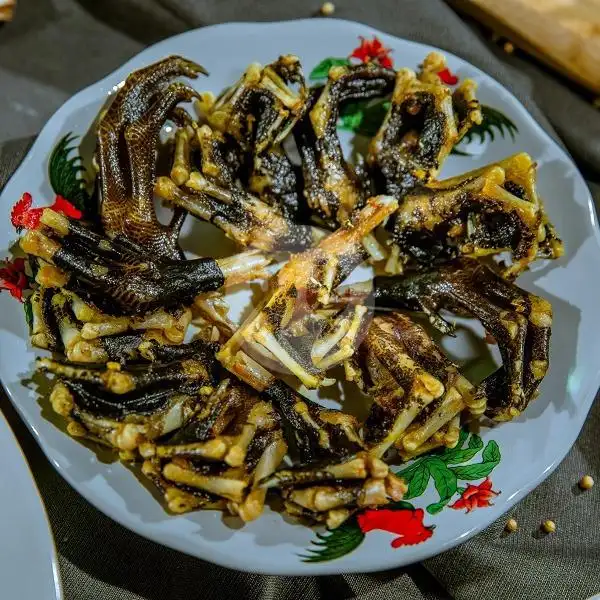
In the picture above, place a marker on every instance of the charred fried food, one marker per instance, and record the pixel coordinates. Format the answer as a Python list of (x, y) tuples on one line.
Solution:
[(519, 321), (268, 89), (242, 216), (211, 421), (63, 323), (245, 129), (213, 194), (484, 212), (334, 475), (122, 278), (331, 186), (128, 138), (288, 325), (126, 407), (221, 453), (424, 122), (416, 389)]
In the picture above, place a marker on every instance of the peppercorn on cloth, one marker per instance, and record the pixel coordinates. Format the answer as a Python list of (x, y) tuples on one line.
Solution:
[(52, 49)]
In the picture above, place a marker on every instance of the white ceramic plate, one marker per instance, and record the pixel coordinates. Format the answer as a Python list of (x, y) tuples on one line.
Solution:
[(520, 454), (28, 565)]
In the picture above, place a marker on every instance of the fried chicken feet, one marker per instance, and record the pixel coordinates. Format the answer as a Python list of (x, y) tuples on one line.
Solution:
[(128, 138), (292, 325), (519, 321), (120, 277)]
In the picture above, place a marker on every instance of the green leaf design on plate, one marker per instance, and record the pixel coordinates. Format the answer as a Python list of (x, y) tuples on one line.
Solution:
[(322, 69), (493, 121), (351, 117), (364, 117), (28, 313), (491, 457), (64, 173), (443, 477), (492, 452), (436, 507), (335, 543), (457, 455), (473, 472), (407, 473), (400, 505), (417, 481), (445, 483)]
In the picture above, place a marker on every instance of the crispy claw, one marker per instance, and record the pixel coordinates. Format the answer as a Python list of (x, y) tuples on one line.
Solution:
[(125, 408), (122, 278), (128, 137), (224, 450), (243, 217), (424, 122), (332, 188), (289, 326), (416, 389), (318, 433), (518, 320), (334, 475), (484, 212), (64, 323), (268, 88)]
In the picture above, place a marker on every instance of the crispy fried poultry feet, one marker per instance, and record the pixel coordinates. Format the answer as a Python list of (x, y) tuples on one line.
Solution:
[(62, 323), (246, 125), (416, 389), (484, 212), (125, 407), (293, 327), (518, 320), (259, 112), (267, 91), (424, 122), (128, 139), (242, 216), (218, 458), (332, 475), (122, 278), (332, 188), (116, 300)]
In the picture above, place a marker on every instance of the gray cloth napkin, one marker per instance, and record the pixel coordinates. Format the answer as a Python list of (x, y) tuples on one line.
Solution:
[(56, 47)]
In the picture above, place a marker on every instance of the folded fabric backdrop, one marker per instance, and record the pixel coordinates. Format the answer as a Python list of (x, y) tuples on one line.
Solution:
[(55, 48)]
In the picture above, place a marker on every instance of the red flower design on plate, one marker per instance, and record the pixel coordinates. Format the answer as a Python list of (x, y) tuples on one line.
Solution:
[(373, 51), (448, 77), (13, 278), (406, 523), (476, 496), (23, 216)]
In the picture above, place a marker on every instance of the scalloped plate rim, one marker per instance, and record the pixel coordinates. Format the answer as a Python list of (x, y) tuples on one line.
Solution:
[(418, 553)]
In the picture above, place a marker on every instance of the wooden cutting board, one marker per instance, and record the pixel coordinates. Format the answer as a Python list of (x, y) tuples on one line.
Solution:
[(563, 33), (7, 8)]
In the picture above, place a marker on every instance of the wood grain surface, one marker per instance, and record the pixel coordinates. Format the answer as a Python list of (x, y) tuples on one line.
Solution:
[(7, 8), (563, 33)]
